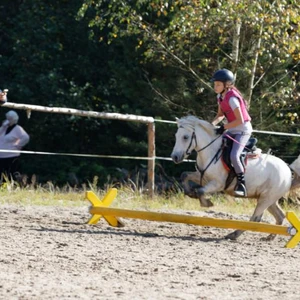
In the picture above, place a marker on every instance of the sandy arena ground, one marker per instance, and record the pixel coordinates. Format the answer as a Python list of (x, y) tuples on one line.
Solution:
[(51, 253)]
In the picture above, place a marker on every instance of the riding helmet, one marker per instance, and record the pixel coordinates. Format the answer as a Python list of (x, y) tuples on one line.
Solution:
[(223, 75)]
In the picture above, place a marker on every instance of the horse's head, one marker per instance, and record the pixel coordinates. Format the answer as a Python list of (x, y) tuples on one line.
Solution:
[(186, 139)]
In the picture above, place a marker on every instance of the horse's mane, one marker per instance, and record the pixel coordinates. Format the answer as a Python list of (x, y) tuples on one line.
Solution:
[(192, 122)]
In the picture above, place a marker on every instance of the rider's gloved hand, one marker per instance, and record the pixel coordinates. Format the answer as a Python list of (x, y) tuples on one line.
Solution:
[(220, 130)]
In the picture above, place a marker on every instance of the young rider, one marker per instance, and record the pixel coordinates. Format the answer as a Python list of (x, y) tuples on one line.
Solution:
[(232, 106)]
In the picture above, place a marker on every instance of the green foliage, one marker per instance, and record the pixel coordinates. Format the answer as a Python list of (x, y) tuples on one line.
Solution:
[(188, 41)]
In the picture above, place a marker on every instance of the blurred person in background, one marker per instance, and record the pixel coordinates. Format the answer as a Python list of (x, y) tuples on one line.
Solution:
[(12, 137)]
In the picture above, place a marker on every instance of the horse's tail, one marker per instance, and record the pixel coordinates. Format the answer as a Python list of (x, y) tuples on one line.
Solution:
[(295, 166)]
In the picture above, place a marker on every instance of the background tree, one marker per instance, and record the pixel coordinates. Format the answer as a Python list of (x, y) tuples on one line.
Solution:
[(192, 39)]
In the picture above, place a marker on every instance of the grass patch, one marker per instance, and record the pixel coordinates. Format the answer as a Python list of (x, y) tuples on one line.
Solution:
[(127, 198)]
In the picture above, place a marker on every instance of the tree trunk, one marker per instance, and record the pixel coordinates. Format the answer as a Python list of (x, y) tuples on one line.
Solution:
[(235, 46), (255, 60)]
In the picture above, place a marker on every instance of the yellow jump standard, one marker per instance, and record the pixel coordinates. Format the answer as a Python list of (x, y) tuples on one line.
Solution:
[(100, 209)]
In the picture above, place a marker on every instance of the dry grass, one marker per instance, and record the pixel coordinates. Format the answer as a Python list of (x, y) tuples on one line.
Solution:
[(50, 195)]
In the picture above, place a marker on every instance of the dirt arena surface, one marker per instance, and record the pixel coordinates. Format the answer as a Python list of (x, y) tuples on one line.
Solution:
[(51, 253)]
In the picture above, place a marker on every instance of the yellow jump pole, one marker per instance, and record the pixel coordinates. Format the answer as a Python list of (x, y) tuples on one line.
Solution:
[(187, 219), (102, 210)]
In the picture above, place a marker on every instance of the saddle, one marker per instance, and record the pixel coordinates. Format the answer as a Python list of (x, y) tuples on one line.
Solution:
[(248, 151)]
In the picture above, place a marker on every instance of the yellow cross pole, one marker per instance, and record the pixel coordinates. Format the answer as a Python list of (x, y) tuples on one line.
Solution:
[(294, 230), (107, 200), (101, 209)]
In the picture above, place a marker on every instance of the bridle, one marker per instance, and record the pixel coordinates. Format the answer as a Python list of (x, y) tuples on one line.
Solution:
[(216, 156), (188, 152)]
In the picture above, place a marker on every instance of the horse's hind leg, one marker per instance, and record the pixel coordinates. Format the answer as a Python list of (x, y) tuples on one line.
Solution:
[(261, 206), (279, 216), (234, 235)]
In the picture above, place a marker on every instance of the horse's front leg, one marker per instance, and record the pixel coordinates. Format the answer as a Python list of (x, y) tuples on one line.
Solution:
[(210, 187), (192, 188)]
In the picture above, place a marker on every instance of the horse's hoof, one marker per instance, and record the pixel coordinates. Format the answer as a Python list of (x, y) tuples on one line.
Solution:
[(183, 176), (205, 202), (190, 194), (269, 238), (200, 192), (231, 236)]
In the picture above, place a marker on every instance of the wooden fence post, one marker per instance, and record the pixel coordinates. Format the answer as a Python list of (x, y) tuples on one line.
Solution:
[(151, 156)]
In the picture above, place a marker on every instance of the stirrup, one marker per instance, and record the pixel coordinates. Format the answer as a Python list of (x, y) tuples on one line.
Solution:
[(240, 190)]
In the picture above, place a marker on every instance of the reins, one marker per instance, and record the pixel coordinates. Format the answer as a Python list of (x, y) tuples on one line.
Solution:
[(230, 137), (194, 138), (207, 144)]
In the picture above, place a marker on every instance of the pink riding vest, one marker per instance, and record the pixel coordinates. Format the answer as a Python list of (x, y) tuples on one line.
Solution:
[(226, 109)]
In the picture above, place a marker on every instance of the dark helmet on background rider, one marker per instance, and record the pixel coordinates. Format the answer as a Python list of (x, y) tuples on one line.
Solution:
[(223, 75)]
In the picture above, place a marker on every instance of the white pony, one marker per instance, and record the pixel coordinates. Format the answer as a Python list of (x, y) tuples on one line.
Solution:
[(268, 178)]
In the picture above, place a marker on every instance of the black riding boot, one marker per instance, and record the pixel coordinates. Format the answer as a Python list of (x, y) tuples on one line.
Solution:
[(240, 188)]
